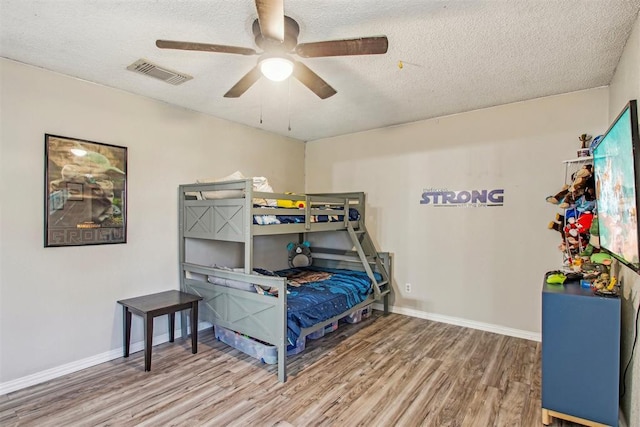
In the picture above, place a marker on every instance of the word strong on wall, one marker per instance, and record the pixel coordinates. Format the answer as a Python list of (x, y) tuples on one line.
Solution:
[(462, 198)]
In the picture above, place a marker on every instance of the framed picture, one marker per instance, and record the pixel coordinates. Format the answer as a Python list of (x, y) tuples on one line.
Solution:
[(85, 192)]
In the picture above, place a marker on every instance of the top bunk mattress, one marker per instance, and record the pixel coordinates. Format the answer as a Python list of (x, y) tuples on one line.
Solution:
[(298, 216)]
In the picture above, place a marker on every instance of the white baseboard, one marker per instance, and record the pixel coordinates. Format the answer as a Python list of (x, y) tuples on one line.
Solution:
[(69, 368), (502, 330)]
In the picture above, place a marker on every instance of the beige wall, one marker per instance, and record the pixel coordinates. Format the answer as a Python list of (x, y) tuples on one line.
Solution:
[(475, 266), (58, 305), (625, 85)]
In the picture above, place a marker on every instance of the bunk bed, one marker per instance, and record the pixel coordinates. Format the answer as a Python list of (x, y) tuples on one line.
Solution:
[(231, 211)]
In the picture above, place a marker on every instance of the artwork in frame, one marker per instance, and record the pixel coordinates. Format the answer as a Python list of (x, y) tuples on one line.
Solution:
[(85, 192)]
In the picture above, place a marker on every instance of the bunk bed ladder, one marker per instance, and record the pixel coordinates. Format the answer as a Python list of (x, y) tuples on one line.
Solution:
[(368, 254)]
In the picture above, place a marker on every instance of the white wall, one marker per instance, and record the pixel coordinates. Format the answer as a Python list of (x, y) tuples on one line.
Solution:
[(478, 265), (625, 85), (58, 305)]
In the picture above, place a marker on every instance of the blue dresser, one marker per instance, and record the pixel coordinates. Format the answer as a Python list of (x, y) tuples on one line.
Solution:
[(580, 355)]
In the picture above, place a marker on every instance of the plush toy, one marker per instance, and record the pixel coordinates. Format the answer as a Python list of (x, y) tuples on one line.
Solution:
[(560, 221), (586, 203), (299, 254), (583, 179), (594, 239), (570, 229), (601, 258), (557, 224), (575, 243), (579, 183), (286, 203), (558, 198), (583, 224), (575, 233)]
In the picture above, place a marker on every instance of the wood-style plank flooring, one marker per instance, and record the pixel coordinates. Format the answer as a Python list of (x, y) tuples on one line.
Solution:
[(384, 371)]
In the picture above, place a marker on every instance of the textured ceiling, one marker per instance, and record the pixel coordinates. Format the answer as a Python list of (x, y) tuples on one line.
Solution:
[(458, 55)]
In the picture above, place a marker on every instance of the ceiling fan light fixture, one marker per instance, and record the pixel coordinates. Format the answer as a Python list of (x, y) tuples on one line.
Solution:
[(276, 68)]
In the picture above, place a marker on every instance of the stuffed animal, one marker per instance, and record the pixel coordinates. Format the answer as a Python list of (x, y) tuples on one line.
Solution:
[(583, 179), (583, 224), (586, 203), (575, 234), (594, 239), (569, 193), (560, 221), (286, 203), (558, 198), (557, 224), (299, 254)]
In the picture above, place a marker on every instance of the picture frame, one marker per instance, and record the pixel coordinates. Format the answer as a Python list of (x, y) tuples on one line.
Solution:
[(85, 192)]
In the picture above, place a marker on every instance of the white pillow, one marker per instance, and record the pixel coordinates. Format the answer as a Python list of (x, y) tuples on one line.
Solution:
[(223, 194), (229, 283), (260, 183)]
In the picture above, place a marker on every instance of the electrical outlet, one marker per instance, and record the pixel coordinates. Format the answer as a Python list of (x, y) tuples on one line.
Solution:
[(407, 287)]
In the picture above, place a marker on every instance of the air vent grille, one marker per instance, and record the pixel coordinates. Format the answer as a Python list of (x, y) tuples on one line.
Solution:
[(145, 67)]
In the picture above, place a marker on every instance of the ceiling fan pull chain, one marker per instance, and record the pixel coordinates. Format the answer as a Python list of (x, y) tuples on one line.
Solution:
[(261, 90), (289, 103)]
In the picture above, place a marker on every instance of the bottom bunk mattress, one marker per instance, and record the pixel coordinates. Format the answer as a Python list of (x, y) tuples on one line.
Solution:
[(318, 294)]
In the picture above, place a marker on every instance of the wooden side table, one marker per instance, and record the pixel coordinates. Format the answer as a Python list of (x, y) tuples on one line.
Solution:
[(153, 305)]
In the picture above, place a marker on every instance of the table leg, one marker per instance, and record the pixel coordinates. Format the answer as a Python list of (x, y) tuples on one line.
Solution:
[(194, 327), (126, 324), (172, 326), (183, 324), (148, 341)]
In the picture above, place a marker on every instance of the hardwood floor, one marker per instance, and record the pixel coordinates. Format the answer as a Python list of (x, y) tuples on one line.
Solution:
[(384, 371)]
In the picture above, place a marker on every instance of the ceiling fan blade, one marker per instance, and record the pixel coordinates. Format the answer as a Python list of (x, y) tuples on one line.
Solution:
[(360, 46), (313, 81), (271, 18), (204, 47), (244, 83)]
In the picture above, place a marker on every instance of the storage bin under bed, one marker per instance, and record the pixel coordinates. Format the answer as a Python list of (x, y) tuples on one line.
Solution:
[(322, 332), (264, 352), (358, 315)]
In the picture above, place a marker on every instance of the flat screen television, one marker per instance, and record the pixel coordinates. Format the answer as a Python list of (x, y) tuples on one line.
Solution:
[(616, 165)]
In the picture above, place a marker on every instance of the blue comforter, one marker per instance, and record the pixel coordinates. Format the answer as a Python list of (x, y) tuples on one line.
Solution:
[(321, 294)]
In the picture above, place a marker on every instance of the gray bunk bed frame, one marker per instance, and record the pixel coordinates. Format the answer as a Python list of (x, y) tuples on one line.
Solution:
[(230, 218)]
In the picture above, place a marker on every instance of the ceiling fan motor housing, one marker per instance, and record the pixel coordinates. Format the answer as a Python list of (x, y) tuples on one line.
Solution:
[(291, 32)]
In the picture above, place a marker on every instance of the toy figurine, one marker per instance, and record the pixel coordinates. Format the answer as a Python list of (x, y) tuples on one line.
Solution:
[(584, 146)]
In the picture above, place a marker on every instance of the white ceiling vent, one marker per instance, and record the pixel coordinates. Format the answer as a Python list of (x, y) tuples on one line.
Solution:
[(143, 66)]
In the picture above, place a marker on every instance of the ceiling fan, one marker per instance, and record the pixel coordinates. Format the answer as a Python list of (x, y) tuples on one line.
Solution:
[(277, 36)]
